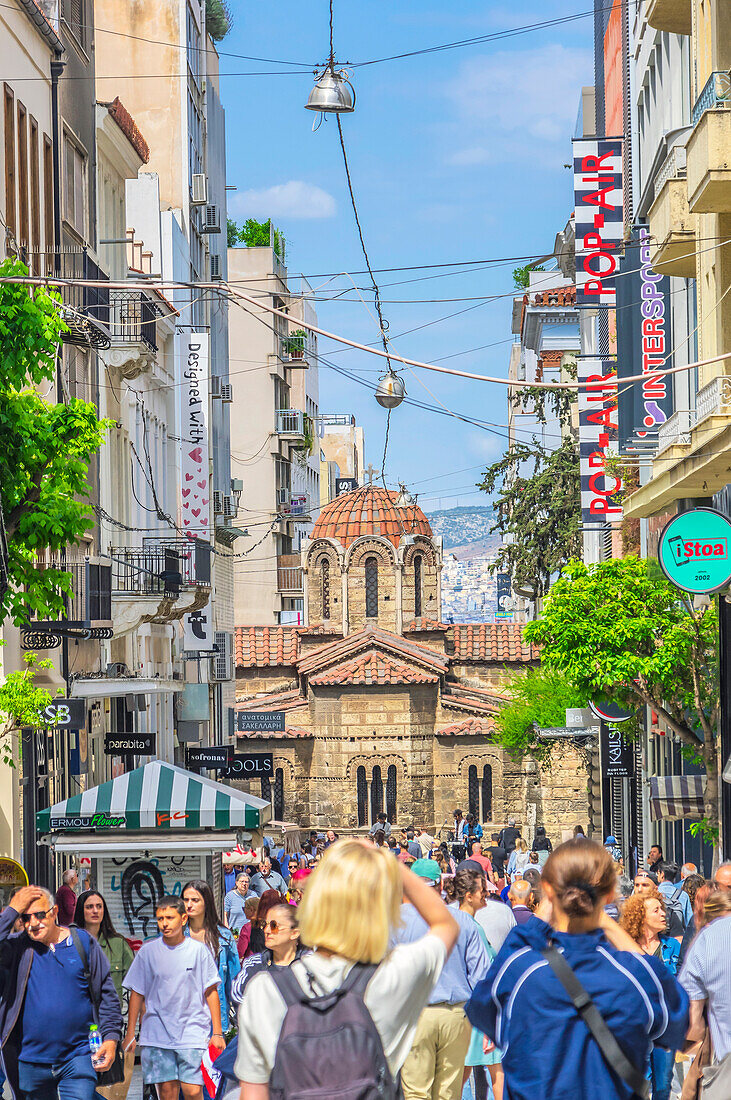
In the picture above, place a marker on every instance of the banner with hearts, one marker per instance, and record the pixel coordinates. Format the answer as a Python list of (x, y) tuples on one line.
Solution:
[(194, 367)]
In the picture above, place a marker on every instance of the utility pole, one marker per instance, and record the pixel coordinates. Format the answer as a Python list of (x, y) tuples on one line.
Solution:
[(724, 622)]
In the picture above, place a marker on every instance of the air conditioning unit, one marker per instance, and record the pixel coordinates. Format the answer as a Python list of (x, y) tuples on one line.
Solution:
[(215, 266), (198, 189), (217, 502), (222, 663), (215, 382), (227, 393), (212, 221), (282, 497), (229, 508)]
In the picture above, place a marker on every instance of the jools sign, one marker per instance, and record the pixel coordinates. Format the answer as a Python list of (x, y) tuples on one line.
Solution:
[(250, 765), (693, 550)]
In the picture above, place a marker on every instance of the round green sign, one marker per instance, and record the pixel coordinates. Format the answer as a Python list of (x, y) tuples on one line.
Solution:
[(694, 550)]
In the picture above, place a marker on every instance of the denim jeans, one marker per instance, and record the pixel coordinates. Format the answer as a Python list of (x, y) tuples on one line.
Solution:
[(71, 1079), (660, 1074)]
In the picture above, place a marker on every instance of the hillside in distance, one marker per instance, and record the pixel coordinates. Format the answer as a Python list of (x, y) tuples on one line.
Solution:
[(466, 531)]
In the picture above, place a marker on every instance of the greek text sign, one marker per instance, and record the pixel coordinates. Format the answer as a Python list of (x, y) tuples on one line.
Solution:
[(599, 207), (260, 721), (693, 550)]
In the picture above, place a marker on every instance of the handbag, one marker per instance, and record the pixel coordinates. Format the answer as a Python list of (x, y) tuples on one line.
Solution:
[(693, 1080), (115, 1074), (716, 1080), (611, 1051)]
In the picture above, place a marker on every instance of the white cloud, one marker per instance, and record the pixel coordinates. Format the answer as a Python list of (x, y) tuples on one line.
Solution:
[(294, 199), (518, 105)]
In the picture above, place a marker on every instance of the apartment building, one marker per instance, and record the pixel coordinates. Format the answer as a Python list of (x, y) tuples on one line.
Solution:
[(274, 441), (342, 443)]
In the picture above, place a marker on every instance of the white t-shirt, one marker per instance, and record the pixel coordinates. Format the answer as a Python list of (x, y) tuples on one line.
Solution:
[(496, 920), (395, 997), (173, 981)]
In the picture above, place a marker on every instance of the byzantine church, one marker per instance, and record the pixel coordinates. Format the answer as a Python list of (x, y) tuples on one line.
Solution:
[(387, 708)]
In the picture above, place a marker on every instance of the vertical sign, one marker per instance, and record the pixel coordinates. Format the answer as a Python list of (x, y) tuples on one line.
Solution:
[(599, 219), (616, 753), (195, 490), (504, 596), (597, 439)]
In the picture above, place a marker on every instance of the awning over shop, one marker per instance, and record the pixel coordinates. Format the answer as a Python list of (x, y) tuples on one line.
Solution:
[(157, 796), (674, 797)]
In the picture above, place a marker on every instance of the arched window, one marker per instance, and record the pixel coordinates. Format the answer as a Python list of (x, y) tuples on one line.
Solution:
[(487, 793), (279, 794), (371, 587), (391, 793), (417, 586), (325, 580), (266, 788), (376, 794), (473, 792), (361, 786)]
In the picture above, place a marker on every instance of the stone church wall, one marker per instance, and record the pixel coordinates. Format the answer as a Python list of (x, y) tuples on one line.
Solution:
[(386, 619)]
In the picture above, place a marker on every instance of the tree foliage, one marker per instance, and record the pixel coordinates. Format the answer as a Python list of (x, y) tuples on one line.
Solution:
[(21, 702), (620, 629), (256, 234), (538, 511), (541, 696), (521, 275), (218, 19), (45, 450)]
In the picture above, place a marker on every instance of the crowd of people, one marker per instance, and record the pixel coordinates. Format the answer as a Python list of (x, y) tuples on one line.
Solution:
[(357, 967)]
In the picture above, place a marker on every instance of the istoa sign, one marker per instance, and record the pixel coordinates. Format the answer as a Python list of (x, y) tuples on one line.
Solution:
[(693, 550)]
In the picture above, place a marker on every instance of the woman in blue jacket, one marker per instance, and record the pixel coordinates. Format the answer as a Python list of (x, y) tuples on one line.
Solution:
[(548, 1051)]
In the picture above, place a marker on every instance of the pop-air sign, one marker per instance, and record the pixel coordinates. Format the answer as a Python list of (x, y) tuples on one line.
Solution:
[(694, 550)]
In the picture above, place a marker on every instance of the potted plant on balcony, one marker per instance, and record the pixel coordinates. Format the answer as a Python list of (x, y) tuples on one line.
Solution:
[(294, 344)]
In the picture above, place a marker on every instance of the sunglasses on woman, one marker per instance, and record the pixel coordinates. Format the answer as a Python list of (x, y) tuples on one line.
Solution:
[(275, 926)]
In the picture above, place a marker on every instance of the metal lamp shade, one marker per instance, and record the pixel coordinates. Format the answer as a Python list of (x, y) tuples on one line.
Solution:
[(333, 93), (390, 391)]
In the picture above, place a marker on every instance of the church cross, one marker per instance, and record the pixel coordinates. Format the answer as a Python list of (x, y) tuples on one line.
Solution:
[(371, 472)]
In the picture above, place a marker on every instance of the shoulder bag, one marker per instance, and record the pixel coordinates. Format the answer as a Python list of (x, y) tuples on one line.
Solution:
[(612, 1053), (115, 1074)]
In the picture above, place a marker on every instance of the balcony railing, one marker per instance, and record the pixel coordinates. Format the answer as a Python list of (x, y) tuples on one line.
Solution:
[(290, 422), (675, 432), (296, 505), (716, 93), (674, 167), (132, 318), (297, 347), (714, 399), (89, 603), (163, 568), (289, 573)]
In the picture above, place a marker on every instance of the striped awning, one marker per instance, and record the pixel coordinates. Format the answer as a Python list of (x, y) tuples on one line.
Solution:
[(674, 797), (156, 796)]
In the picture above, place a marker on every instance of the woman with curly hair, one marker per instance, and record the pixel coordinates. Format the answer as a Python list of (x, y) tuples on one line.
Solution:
[(645, 919)]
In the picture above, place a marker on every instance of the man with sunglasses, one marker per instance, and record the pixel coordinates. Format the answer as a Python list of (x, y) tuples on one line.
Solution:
[(47, 1003)]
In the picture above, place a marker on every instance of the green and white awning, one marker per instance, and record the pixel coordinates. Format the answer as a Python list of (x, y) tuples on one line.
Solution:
[(157, 796)]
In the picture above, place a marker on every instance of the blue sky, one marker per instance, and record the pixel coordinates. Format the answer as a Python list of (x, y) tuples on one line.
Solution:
[(456, 155)]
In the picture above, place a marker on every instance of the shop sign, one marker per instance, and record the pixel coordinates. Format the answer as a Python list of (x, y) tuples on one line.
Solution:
[(64, 714), (693, 550), (345, 485), (260, 721), (598, 432), (101, 820), (13, 876), (616, 753), (599, 219), (250, 765), (119, 744), (214, 756)]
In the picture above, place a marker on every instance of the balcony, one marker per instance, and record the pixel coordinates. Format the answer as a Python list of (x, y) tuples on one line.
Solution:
[(88, 606), (674, 16), (675, 432), (709, 148), (86, 307), (293, 506), (291, 425), (159, 581), (133, 330), (672, 226), (714, 399), (297, 349), (289, 574)]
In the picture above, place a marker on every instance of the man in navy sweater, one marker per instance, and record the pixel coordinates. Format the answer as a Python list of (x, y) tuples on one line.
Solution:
[(46, 1007)]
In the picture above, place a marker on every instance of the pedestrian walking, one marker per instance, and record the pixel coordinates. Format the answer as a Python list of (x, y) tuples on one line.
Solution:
[(266, 878), (243, 945), (533, 1003), (477, 855), (508, 835), (676, 899), (706, 978), (519, 858), (234, 916), (518, 898), (645, 920), (498, 857), (50, 1000), (435, 1065), (93, 916), (613, 848), (204, 927), (282, 947), (348, 914), (722, 877), (380, 825), (66, 897), (173, 985), (496, 920), (541, 842), (483, 1057), (654, 858)]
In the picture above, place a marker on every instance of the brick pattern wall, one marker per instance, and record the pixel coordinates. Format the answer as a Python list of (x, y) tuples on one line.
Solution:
[(316, 612), (387, 574)]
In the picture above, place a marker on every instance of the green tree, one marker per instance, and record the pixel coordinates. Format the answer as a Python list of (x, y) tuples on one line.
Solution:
[(218, 19), (620, 629), (538, 511), (539, 697), (521, 275), (256, 234), (21, 703), (45, 450)]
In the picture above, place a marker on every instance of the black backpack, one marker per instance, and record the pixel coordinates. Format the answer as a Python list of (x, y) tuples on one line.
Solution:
[(329, 1048)]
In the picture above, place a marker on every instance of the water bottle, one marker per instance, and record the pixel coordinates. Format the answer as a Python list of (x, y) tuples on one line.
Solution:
[(95, 1042)]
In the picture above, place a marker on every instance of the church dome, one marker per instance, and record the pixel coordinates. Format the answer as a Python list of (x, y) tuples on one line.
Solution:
[(369, 511)]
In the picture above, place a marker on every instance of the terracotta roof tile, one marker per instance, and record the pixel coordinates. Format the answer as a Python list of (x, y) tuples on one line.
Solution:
[(264, 646), (393, 645), (556, 296), (470, 727), (369, 511), (374, 668), (129, 128), (275, 700), (422, 624), (289, 732), (490, 642)]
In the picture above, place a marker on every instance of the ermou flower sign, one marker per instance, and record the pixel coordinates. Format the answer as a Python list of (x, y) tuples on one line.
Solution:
[(694, 550)]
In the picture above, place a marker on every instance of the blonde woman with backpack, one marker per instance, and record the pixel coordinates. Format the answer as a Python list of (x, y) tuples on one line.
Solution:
[(341, 1021)]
